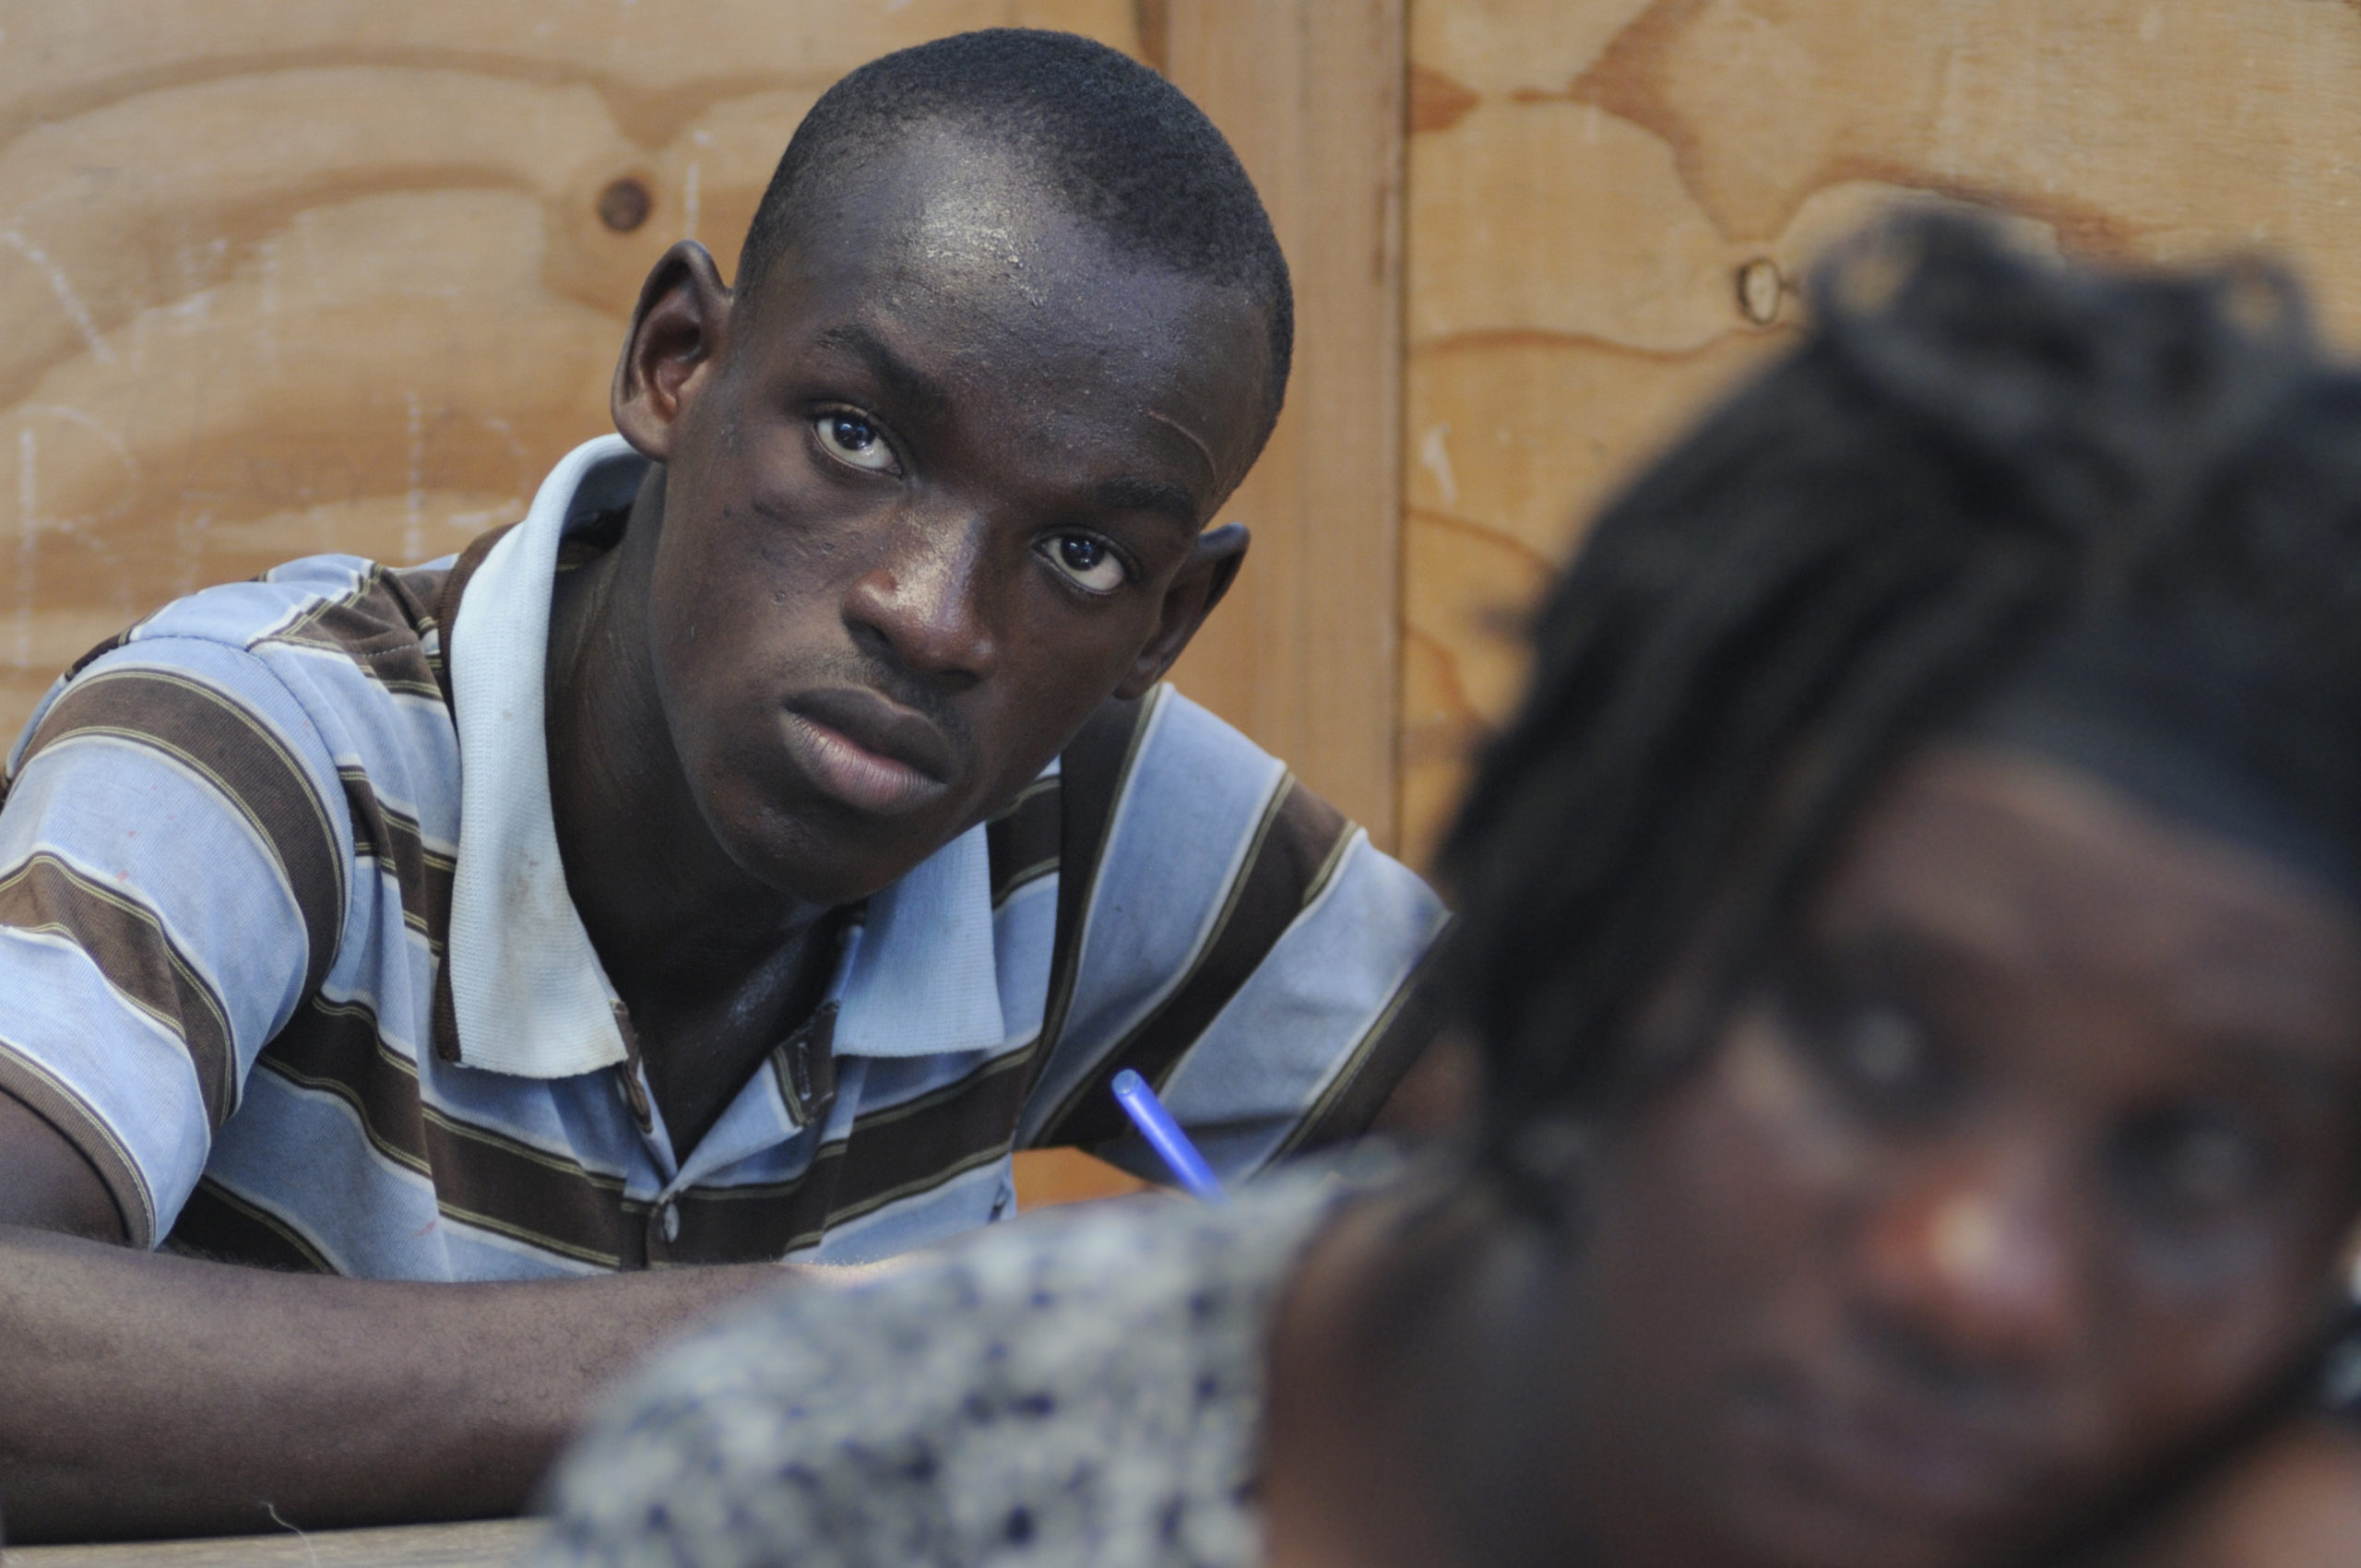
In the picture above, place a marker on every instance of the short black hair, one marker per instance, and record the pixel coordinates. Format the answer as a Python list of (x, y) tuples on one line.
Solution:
[(1972, 453), (1116, 144)]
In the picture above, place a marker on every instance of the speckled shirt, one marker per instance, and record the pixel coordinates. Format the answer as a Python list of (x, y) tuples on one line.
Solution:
[(1083, 1388)]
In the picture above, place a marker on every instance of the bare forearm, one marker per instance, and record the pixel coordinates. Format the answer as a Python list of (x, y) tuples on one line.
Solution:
[(143, 1394)]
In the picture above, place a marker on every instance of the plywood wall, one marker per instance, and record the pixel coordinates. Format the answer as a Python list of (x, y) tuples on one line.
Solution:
[(286, 276), (279, 276), (1305, 656), (1610, 201)]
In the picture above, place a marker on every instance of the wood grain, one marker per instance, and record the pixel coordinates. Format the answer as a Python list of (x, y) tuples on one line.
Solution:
[(1304, 656), (1047, 1177), (482, 1543), (1590, 181)]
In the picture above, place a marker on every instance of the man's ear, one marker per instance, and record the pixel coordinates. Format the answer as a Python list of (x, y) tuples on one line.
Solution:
[(1203, 579), (679, 332)]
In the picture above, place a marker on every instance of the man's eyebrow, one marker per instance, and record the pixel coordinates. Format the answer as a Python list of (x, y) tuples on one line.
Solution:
[(1172, 501), (909, 386)]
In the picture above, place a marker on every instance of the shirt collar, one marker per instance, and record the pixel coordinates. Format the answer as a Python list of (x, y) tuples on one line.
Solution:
[(918, 978), (527, 990)]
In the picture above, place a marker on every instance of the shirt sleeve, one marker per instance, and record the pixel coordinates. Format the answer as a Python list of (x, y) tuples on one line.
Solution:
[(171, 883), (1245, 948)]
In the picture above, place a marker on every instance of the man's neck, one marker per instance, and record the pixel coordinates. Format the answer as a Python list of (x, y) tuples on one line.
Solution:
[(699, 951)]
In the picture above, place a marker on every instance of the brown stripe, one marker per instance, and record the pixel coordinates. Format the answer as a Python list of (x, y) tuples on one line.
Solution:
[(204, 730), (484, 1179), (1023, 841), (425, 589), (480, 1177), (49, 1098), (127, 942), (444, 1022), (888, 1155), (336, 1047), (217, 1224), (421, 875), (906, 1148), (488, 1180), (1403, 1029), (1093, 770), (1295, 850), (374, 624)]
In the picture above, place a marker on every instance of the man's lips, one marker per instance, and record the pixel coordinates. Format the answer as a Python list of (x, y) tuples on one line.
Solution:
[(868, 751)]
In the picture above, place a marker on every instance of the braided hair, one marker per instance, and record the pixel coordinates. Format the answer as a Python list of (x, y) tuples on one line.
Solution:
[(1972, 451)]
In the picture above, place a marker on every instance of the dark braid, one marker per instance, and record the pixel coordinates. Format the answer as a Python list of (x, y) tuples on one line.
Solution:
[(1970, 450)]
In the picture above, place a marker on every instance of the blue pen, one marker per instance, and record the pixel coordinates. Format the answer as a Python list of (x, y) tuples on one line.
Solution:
[(1164, 1136)]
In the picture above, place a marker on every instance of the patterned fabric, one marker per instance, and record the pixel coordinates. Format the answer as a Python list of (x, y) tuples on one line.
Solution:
[(228, 857), (1082, 1389)]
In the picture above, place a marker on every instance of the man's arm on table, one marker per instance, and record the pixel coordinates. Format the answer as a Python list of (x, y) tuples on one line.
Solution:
[(145, 1394)]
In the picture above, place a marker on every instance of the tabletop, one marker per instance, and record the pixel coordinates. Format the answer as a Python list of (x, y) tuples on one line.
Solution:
[(482, 1543)]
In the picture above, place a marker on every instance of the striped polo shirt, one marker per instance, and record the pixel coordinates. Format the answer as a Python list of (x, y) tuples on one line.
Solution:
[(310, 993)]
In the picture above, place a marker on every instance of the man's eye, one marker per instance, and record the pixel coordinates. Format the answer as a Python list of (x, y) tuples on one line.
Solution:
[(1088, 561), (852, 439)]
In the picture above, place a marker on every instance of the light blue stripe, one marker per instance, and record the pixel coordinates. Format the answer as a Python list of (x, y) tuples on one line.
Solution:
[(405, 743), (301, 1153), (193, 859), (473, 1253), (398, 988), (245, 682), (1025, 934), (963, 1204), (237, 614), (1197, 792), (1270, 1054), (132, 1073)]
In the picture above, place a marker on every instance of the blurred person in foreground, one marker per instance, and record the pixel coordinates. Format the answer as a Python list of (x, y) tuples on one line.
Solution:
[(1912, 930)]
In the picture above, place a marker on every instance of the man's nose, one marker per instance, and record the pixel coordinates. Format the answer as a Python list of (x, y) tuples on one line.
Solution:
[(1981, 1259), (924, 599)]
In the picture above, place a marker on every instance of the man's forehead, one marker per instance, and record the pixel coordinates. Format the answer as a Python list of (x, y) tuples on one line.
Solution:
[(941, 219), (942, 263), (976, 270), (940, 200)]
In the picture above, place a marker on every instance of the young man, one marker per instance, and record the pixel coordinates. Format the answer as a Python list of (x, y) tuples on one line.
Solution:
[(1913, 929), (729, 862)]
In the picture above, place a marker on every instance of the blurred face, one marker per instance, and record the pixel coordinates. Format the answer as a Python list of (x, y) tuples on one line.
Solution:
[(938, 501), (2029, 1165)]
